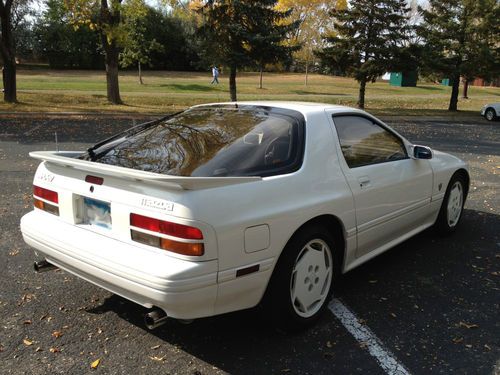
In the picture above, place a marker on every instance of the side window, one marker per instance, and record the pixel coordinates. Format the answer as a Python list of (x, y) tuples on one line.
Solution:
[(364, 142)]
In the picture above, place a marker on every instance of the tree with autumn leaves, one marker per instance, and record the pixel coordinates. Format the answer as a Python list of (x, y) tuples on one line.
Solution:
[(244, 33), (313, 17)]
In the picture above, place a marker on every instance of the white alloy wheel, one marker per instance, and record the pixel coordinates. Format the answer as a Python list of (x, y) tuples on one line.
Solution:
[(455, 203), (490, 114), (311, 278)]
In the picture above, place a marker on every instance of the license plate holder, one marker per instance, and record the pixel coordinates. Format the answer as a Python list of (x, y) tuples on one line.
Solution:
[(96, 212)]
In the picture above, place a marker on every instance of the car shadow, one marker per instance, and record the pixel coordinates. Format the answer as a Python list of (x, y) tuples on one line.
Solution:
[(413, 297)]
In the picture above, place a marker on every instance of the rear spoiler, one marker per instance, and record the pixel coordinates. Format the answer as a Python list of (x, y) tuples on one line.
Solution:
[(69, 159)]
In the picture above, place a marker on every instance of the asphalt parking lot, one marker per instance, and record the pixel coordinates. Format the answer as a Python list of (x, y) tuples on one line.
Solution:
[(432, 303)]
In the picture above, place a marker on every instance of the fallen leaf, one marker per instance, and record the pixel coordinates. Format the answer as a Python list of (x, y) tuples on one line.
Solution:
[(27, 342), (159, 359), (54, 350), (57, 334), (155, 347), (329, 344), (468, 326), (363, 344), (487, 347), (458, 340), (95, 363), (38, 349), (27, 321)]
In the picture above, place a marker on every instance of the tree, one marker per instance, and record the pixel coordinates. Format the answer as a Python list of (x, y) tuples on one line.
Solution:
[(268, 36), (234, 32), (106, 19), (7, 51), (314, 20), (461, 40), (61, 44), (137, 47), (367, 40)]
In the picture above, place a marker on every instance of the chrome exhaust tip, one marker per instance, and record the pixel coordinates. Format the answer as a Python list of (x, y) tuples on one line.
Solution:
[(43, 266), (155, 318)]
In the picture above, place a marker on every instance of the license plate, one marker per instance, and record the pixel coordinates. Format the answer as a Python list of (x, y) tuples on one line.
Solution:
[(97, 212)]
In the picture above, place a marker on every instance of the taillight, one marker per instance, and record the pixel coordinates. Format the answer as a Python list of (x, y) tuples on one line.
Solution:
[(45, 199), (166, 227), (186, 236), (46, 194)]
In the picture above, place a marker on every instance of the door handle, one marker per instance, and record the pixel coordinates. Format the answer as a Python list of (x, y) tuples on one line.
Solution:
[(364, 182)]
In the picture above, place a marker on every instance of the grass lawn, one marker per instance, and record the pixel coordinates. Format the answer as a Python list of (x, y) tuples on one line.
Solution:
[(75, 91)]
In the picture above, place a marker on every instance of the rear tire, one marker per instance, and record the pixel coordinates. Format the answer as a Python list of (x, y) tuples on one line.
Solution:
[(452, 206), (302, 282), (490, 114)]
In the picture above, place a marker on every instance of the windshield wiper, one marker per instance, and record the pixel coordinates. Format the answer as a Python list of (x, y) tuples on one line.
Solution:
[(92, 155)]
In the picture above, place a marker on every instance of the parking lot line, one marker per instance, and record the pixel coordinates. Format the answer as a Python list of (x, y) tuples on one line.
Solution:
[(366, 337)]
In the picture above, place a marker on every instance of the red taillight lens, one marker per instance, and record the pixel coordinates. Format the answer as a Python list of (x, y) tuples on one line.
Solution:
[(166, 227), (46, 194)]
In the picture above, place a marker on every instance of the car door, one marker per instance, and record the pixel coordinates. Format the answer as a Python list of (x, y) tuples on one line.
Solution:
[(392, 191)]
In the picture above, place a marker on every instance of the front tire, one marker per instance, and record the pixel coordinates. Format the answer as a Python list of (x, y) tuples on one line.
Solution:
[(490, 114), (453, 205), (301, 284)]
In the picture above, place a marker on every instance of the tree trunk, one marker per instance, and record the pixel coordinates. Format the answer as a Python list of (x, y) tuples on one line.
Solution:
[(9, 81), (454, 93), (111, 18), (307, 72), (232, 83), (362, 89), (113, 88), (466, 89), (140, 72), (8, 54), (260, 81)]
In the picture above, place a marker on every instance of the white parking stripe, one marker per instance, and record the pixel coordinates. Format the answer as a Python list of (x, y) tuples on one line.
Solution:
[(364, 335)]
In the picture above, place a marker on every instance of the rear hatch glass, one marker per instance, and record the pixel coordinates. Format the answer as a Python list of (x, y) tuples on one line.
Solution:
[(212, 141)]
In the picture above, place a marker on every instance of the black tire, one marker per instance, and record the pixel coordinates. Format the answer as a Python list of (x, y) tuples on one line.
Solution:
[(277, 301), (490, 114), (447, 221)]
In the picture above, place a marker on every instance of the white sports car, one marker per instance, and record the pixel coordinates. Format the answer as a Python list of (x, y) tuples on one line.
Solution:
[(225, 206), (491, 111)]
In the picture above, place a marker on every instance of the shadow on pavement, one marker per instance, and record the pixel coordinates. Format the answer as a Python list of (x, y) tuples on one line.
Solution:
[(418, 298)]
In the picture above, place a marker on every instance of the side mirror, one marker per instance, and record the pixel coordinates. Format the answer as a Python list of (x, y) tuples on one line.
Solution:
[(422, 152)]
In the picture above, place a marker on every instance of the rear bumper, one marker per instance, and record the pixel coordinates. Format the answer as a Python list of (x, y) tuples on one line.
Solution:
[(184, 289)]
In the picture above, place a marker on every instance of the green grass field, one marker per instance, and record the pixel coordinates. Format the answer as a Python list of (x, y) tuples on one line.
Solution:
[(75, 91)]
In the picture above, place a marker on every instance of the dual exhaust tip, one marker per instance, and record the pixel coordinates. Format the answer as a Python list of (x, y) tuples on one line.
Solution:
[(43, 266), (153, 319)]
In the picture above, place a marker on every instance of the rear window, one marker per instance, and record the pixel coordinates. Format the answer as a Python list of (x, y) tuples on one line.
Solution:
[(213, 142)]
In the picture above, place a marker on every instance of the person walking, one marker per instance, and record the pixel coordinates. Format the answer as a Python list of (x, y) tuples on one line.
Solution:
[(215, 75)]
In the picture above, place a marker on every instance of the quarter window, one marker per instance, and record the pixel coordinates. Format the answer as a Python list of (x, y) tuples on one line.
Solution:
[(364, 142)]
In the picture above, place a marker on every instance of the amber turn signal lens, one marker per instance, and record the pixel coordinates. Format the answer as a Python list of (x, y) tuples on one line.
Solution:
[(193, 249), (50, 208)]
